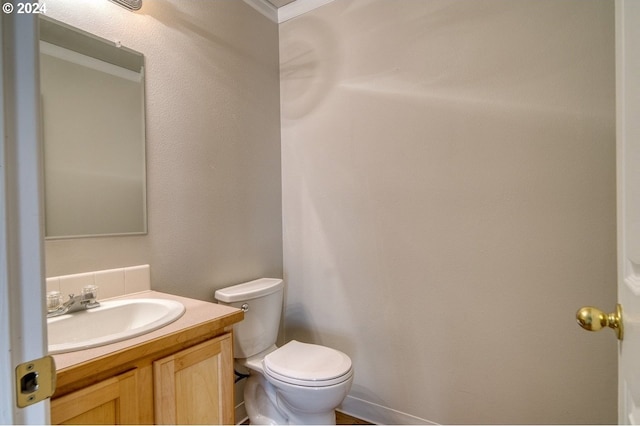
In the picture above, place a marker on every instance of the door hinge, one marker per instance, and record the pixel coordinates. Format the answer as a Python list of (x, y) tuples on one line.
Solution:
[(35, 381)]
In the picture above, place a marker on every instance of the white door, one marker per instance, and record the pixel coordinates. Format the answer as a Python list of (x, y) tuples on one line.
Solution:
[(628, 164), (22, 324)]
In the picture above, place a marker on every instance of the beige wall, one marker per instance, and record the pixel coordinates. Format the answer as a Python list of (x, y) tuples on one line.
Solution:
[(449, 202), (448, 189), (213, 145)]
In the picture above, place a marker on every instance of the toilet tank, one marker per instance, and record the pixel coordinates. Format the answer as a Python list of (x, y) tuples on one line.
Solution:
[(259, 329)]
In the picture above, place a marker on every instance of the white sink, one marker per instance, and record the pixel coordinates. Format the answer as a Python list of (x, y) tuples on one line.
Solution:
[(113, 321)]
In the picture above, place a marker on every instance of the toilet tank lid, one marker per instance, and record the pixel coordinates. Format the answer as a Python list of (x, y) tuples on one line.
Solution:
[(249, 290)]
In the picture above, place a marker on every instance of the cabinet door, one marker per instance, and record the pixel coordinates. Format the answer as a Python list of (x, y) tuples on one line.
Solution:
[(195, 386), (112, 401)]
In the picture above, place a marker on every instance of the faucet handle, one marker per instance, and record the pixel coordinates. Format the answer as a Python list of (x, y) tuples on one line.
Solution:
[(54, 300), (90, 292)]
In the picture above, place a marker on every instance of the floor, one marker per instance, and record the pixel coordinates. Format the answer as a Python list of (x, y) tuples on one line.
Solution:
[(345, 419)]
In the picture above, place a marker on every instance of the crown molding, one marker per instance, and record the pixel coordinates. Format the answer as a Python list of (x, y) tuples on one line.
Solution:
[(299, 7), (264, 7), (288, 11)]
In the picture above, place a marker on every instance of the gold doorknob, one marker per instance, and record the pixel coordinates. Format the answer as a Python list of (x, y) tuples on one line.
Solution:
[(593, 319)]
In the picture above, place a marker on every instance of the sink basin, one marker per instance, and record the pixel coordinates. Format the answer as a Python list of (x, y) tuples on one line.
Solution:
[(113, 321)]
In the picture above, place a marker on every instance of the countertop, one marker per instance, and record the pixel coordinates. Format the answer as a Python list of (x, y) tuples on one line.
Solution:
[(198, 315)]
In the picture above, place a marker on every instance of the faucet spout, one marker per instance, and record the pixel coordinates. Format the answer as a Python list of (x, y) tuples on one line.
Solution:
[(81, 302)]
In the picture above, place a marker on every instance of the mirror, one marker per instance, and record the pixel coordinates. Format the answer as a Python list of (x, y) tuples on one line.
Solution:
[(92, 93)]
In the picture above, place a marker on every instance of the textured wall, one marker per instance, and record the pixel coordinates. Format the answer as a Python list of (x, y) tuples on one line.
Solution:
[(448, 188), (449, 202), (213, 145)]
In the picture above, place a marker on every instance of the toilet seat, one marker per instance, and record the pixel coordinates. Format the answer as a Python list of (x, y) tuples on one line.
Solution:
[(305, 364)]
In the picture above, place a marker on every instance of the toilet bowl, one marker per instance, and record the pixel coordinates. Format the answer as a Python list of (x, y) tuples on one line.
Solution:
[(298, 383)]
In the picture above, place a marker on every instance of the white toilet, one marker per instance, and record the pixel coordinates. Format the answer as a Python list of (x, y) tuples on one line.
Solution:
[(298, 383)]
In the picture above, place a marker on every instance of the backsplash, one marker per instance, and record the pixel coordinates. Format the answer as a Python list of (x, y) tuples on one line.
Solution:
[(110, 282)]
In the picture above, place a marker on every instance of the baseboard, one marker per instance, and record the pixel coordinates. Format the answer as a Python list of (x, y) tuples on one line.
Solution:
[(241, 414), (356, 407), (378, 414)]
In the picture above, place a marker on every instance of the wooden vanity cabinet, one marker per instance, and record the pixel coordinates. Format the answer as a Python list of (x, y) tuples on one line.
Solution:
[(111, 401), (184, 376), (190, 386), (195, 386)]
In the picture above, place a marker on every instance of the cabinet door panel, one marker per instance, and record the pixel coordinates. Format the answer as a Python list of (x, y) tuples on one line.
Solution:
[(195, 386), (112, 401), (104, 414)]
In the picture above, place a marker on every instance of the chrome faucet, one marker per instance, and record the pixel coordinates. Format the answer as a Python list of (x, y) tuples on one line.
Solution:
[(85, 300)]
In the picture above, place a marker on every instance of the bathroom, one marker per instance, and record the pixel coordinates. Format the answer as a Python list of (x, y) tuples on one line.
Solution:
[(433, 179)]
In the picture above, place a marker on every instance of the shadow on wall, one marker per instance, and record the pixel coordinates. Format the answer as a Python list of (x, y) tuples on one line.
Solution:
[(302, 328), (230, 18), (306, 72)]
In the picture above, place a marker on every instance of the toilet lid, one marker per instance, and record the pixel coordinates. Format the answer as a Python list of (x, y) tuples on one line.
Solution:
[(307, 362)]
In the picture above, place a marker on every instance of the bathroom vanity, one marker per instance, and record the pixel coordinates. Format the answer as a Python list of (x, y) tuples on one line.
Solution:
[(179, 374)]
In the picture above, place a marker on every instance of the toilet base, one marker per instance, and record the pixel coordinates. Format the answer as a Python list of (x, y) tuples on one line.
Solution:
[(299, 418), (264, 407), (260, 402)]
